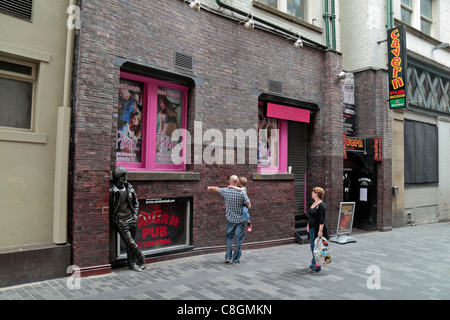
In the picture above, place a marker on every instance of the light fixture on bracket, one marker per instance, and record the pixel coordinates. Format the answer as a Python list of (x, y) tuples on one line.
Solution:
[(342, 74), (195, 5), (250, 24), (440, 46), (299, 42)]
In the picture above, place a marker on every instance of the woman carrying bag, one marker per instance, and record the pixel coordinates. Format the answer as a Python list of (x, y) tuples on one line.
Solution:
[(316, 223)]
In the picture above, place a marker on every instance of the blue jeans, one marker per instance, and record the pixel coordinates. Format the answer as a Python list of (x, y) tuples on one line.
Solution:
[(312, 237), (245, 214), (235, 231)]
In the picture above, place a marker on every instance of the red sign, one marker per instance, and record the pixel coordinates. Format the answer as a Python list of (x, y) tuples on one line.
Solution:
[(279, 111), (164, 224), (355, 144), (377, 149)]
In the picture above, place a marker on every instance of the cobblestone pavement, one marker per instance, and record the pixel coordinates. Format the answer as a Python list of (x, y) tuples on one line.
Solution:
[(406, 263)]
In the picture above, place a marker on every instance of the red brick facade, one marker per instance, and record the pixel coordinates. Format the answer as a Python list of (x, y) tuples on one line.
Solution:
[(231, 67), (374, 120)]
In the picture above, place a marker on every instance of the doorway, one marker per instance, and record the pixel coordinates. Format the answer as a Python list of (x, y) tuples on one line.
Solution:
[(360, 186)]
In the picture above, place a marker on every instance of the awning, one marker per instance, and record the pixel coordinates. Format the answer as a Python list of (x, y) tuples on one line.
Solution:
[(287, 108)]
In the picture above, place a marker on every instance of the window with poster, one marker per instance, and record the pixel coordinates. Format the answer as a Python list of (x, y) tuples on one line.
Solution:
[(150, 112), (272, 143), (164, 225)]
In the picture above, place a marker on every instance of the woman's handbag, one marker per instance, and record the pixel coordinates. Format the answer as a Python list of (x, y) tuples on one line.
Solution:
[(321, 251)]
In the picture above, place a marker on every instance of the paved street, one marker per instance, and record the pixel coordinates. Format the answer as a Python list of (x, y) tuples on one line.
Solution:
[(407, 263)]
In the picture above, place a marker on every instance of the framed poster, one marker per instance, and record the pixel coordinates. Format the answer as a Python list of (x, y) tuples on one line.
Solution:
[(130, 122), (346, 215), (164, 225)]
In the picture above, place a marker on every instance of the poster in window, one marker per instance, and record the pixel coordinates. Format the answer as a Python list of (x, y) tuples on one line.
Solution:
[(168, 120), (268, 141), (164, 224), (130, 118)]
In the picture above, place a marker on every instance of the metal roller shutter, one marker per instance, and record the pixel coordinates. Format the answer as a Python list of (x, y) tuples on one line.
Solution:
[(297, 159)]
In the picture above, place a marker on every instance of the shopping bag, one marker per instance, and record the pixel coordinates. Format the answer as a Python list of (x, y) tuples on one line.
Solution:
[(321, 251)]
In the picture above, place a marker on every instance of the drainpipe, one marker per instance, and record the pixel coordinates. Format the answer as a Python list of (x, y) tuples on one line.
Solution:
[(293, 34), (391, 15), (388, 14), (326, 16), (333, 25), (60, 193)]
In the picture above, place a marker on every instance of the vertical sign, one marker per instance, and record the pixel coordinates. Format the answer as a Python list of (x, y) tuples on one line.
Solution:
[(397, 67), (377, 149)]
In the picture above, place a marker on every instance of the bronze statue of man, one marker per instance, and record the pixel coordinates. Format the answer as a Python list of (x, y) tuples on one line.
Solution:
[(124, 208)]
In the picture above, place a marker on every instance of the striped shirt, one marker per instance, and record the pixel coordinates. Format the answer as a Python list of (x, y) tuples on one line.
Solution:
[(234, 200)]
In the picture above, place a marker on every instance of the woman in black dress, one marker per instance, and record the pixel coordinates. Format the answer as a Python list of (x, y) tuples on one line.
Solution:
[(316, 222)]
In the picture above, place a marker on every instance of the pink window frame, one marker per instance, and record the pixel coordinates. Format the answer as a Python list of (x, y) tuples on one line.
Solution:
[(150, 100), (282, 151)]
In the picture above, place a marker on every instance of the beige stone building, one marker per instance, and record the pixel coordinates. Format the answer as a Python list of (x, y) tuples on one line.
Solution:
[(35, 83), (420, 130)]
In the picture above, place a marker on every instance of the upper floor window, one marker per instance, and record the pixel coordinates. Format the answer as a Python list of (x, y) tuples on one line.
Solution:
[(418, 14), (17, 80), (407, 11), (426, 16), (296, 8)]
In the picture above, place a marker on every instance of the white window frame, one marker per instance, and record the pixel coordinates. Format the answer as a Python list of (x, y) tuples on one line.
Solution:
[(25, 78), (417, 17), (282, 6)]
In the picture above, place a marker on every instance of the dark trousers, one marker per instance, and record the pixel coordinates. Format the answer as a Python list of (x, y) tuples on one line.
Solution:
[(312, 238), (127, 230)]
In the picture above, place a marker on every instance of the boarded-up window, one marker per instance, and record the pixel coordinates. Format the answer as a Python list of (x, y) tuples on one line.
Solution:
[(421, 153)]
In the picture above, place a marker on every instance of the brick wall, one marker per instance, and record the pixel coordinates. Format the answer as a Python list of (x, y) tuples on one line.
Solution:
[(373, 119), (234, 65), (325, 142)]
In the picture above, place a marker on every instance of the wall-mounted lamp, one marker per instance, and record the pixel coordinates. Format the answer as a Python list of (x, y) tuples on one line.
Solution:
[(342, 75), (299, 42), (440, 46), (195, 5), (250, 24)]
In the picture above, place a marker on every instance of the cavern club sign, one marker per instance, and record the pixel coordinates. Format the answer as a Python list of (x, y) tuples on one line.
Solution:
[(397, 67), (355, 144), (164, 225)]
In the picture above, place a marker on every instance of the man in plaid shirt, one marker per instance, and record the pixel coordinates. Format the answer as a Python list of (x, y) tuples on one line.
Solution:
[(234, 200)]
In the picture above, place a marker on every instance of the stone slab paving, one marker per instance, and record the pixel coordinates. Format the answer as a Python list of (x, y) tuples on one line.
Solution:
[(406, 263)]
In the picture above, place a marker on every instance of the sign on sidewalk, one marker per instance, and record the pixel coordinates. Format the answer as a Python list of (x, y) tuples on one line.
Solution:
[(345, 223)]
